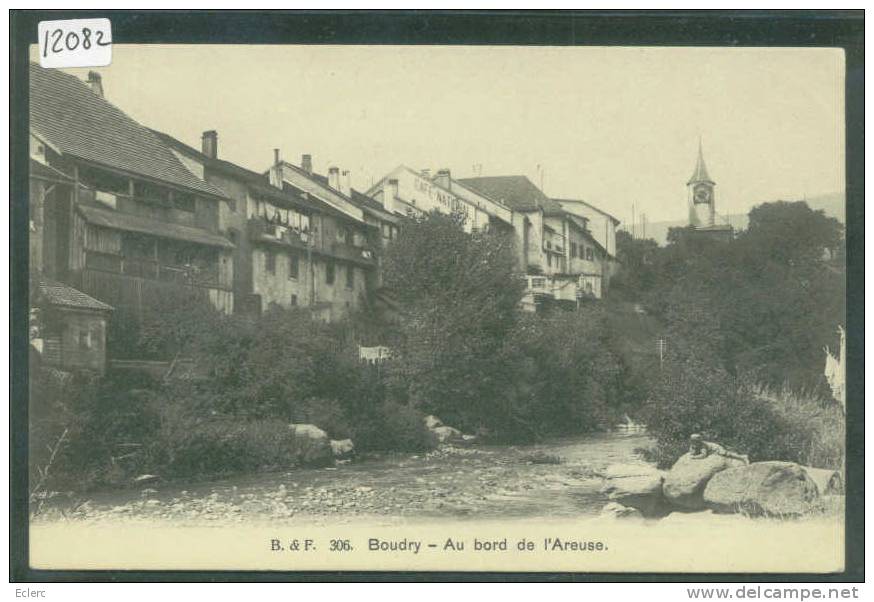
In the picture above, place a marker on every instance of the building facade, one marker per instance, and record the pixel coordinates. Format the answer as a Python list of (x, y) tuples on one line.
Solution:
[(118, 216), (297, 241), (558, 253)]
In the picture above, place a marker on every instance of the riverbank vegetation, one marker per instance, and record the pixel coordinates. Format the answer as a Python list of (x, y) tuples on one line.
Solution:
[(744, 324)]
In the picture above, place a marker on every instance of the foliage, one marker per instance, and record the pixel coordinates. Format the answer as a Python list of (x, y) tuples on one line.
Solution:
[(201, 446), (765, 304), (692, 397), (459, 295)]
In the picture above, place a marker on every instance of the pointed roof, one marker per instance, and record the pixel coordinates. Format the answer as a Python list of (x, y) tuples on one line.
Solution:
[(517, 192), (77, 122), (700, 174)]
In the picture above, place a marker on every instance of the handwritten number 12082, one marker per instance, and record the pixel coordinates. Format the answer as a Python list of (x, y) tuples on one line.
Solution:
[(60, 42)]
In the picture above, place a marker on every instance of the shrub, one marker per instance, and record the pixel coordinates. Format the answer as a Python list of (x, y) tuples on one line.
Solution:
[(694, 397), (393, 427), (815, 428), (205, 447)]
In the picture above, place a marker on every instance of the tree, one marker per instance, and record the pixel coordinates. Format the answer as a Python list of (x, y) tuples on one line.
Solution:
[(459, 295)]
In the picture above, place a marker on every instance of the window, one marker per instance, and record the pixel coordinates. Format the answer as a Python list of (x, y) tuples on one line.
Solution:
[(549, 260), (183, 201), (573, 249), (270, 261), (84, 338), (293, 266), (350, 276), (329, 272), (96, 336), (294, 300), (590, 255), (151, 193)]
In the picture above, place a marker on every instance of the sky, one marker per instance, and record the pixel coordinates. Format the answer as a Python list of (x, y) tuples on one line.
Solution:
[(614, 126)]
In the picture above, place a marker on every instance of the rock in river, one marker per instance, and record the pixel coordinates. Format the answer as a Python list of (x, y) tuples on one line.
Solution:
[(762, 488), (684, 484), (642, 492)]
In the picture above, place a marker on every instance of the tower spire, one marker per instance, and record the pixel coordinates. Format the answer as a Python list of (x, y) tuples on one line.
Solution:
[(700, 174)]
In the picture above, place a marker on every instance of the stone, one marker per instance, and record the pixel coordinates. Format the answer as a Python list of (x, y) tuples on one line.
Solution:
[(644, 493), (684, 484), (432, 422), (313, 445), (342, 448), (828, 481), (617, 510), (762, 489), (146, 478), (447, 434)]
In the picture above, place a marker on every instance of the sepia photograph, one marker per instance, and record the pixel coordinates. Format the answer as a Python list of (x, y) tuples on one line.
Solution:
[(435, 307)]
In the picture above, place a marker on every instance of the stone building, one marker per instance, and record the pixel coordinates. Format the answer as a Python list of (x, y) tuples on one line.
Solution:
[(559, 254), (298, 242)]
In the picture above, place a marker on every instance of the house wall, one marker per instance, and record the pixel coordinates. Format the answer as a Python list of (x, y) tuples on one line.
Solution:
[(601, 227), (279, 288), (78, 342)]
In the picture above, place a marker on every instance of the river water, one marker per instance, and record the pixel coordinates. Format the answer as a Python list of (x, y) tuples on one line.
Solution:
[(555, 479)]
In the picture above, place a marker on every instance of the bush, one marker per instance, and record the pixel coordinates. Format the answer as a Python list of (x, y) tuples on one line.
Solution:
[(207, 447), (815, 428), (393, 427), (693, 397)]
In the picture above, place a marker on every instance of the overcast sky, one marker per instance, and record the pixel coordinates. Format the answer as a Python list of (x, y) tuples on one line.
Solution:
[(609, 125)]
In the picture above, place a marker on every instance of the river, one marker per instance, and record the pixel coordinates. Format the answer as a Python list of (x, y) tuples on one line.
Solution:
[(555, 479)]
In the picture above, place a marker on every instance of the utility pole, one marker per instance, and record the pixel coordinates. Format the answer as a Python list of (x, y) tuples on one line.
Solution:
[(662, 346), (633, 223)]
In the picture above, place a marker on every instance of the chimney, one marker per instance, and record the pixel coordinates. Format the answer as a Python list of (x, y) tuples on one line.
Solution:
[(334, 178), (443, 179), (209, 144), (306, 163), (276, 173), (96, 83), (346, 182), (426, 173), (389, 194)]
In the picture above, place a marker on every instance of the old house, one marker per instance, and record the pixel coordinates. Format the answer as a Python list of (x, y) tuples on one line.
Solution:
[(405, 191), (71, 331), (123, 220), (297, 242), (558, 252)]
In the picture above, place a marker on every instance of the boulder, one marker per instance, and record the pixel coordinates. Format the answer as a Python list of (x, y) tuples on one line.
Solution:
[(313, 445), (684, 484), (447, 434), (762, 488), (310, 431), (432, 422), (644, 493), (342, 448), (828, 481), (617, 510)]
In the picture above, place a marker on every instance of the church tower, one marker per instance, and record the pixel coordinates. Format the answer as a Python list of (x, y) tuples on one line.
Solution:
[(702, 201)]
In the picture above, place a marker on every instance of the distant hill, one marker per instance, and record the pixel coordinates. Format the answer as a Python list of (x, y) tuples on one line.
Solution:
[(834, 205)]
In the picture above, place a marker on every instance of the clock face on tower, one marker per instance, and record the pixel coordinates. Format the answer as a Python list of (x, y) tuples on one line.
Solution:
[(703, 194)]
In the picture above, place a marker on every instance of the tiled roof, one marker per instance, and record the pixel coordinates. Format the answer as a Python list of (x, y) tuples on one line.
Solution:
[(56, 293), (517, 192), (258, 183), (80, 123), (108, 218)]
